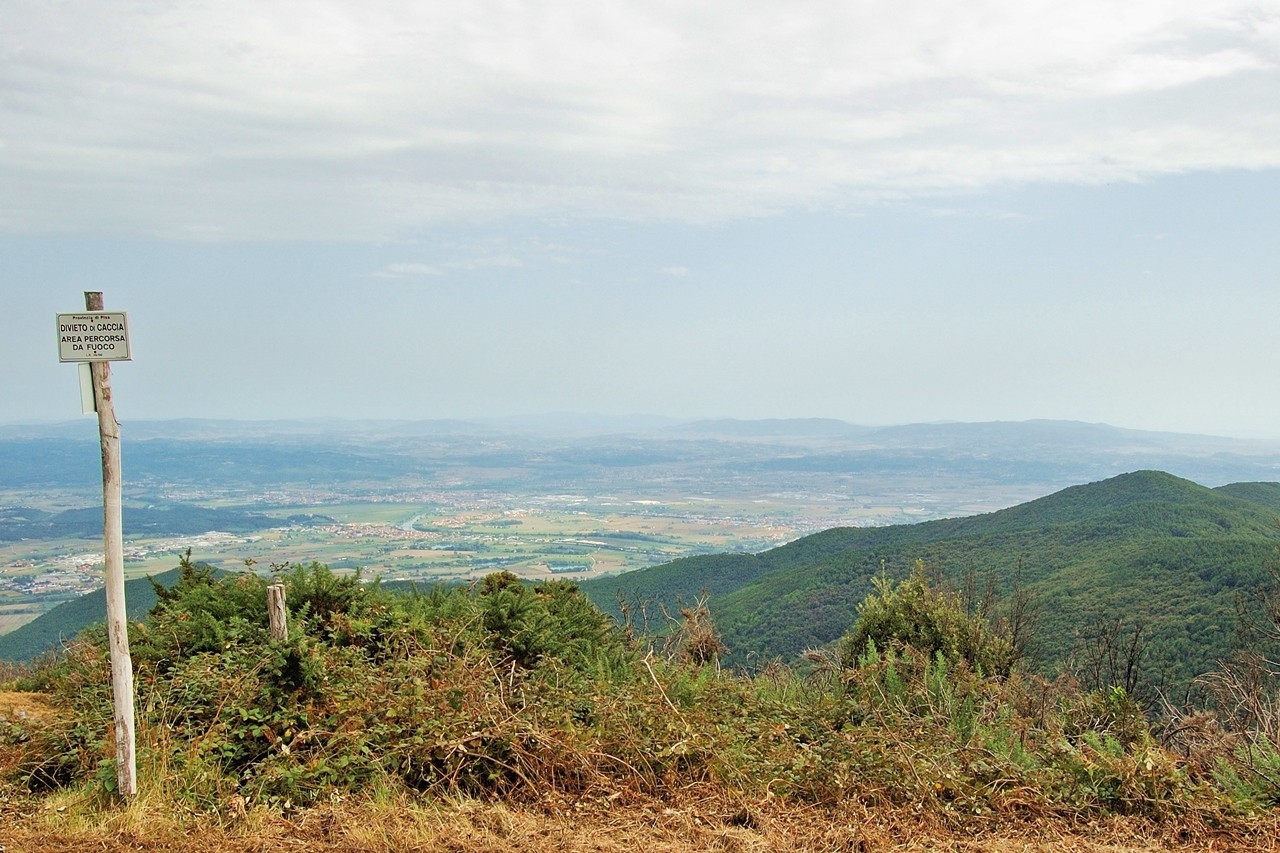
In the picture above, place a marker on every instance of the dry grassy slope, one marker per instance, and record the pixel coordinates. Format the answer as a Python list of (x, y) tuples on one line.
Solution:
[(702, 820), (598, 828), (18, 706)]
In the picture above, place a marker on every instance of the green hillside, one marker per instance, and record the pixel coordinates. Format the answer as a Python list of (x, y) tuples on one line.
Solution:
[(1145, 548), (63, 622), (1266, 494), (58, 625), (21, 522)]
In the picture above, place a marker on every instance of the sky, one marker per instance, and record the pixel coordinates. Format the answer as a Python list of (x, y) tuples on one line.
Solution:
[(883, 212)]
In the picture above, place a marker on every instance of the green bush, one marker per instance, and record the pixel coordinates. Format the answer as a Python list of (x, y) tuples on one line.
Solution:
[(444, 688), (932, 620)]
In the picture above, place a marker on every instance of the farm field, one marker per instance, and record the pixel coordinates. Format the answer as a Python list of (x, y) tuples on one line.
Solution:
[(14, 616), (435, 543), (565, 536)]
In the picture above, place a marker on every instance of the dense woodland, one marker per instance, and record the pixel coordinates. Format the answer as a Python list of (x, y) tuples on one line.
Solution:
[(1145, 557)]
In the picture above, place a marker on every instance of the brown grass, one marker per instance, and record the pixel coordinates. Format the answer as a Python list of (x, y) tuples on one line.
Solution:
[(19, 706), (428, 826)]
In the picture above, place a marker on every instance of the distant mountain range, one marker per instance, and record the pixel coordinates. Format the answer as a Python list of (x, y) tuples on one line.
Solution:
[(560, 452), (772, 428), (1141, 549), (574, 425)]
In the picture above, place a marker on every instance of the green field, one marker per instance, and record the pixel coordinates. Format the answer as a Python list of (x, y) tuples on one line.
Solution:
[(421, 542), (16, 615)]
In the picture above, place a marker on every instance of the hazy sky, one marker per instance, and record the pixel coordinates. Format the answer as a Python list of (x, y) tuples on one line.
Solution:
[(877, 211)]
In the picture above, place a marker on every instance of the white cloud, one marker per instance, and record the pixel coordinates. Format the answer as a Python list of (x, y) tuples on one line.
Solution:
[(501, 262), (484, 255), (407, 270), (368, 121)]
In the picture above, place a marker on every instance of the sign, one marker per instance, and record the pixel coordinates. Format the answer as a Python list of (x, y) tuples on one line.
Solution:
[(93, 336)]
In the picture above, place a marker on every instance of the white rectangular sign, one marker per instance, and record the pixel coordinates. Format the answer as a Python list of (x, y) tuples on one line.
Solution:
[(93, 336)]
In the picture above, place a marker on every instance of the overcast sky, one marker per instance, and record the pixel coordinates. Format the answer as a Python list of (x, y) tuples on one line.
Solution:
[(884, 212)]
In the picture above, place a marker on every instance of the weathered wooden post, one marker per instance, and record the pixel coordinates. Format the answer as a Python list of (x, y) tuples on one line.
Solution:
[(277, 615), (100, 338)]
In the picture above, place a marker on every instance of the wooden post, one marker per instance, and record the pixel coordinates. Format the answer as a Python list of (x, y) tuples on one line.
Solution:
[(277, 615), (113, 548)]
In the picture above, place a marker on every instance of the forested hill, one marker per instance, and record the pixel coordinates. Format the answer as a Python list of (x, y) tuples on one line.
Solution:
[(68, 619), (1144, 549), (20, 522), (1266, 494)]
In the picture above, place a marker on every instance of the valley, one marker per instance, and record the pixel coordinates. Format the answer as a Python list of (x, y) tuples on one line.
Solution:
[(446, 536), (432, 502)]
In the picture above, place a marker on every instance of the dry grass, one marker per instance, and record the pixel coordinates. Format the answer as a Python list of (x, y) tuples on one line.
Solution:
[(474, 827), (24, 706)]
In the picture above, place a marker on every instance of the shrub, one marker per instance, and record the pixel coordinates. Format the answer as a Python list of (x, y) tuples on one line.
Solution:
[(932, 620), (449, 688)]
